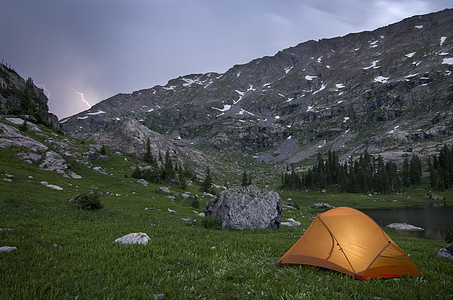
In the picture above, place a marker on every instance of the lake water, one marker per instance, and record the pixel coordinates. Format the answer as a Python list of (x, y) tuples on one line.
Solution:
[(434, 219)]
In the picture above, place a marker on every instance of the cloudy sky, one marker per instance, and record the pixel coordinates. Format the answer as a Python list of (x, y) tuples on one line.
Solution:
[(99, 48)]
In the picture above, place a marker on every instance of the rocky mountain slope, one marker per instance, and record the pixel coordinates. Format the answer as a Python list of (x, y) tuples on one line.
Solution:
[(19, 96), (389, 91)]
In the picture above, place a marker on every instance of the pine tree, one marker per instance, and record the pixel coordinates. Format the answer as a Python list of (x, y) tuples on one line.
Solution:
[(206, 185), (169, 171), (148, 155), (415, 170), (405, 174), (244, 181), (137, 173)]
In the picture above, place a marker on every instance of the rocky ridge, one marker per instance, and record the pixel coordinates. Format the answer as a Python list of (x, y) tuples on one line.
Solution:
[(13, 87), (41, 146), (388, 91)]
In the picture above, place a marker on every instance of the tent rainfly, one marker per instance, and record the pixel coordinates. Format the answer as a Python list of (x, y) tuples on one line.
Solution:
[(348, 241)]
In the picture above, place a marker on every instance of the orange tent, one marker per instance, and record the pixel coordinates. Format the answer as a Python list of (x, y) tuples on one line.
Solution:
[(348, 241)]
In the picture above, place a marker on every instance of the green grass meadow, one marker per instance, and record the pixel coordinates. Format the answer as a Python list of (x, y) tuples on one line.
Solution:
[(68, 253)]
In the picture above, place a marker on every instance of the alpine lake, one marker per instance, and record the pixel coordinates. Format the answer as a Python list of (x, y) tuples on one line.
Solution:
[(435, 220)]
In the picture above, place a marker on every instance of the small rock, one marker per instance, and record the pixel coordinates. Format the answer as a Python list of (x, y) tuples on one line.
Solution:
[(7, 179), (290, 222), (446, 252), (7, 249), (186, 218), (163, 189), (213, 247), (133, 238), (185, 196), (52, 186), (322, 205), (403, 226), (435, 197), (142, 182), (171, 211)]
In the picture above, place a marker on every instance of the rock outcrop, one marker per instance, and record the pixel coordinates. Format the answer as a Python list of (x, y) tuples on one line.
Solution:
[(446, 252), (19, 96), (246, 207)]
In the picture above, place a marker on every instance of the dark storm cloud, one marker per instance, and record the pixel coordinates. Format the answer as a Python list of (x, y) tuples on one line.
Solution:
[(103, 47)]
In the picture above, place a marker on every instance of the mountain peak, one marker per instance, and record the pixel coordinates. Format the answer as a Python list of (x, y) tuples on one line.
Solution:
[(387, 90)]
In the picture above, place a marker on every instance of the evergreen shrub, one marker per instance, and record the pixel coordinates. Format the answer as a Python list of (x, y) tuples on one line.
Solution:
[(87, 201)]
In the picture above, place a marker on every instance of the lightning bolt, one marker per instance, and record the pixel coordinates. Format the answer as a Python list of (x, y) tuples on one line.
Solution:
[(83, 99), (42, 87)]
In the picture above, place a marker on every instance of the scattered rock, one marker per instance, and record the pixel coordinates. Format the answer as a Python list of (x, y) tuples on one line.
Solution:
[(163, 189), (11, 136), (171, 211), (446, 252), (185, 195), (142, 182), (7, 249), (186, 218), (435, 197), (52, 186), (8, 179), (29, 157), (133, 238), (322, 205), (19, 121), (290, 206), (246, 207), (403, 226), (290, 222)]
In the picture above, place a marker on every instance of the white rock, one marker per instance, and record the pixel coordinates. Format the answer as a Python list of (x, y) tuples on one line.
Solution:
[(7, 249), (142, 182), (290, 222), (164, 189), (133, 238), (52, 186), (403, 226), (171, 211)]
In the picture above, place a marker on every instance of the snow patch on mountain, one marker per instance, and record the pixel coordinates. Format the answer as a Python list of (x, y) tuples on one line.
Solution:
[(381, 79), (96, 113), (447, 61), (373, 65), (287, 69), (226, 107)]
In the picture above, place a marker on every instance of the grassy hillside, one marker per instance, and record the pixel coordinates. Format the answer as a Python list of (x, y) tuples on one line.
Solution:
[(67, 253)]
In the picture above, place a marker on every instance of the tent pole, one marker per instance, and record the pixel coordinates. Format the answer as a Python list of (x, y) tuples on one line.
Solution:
[(338, 244)]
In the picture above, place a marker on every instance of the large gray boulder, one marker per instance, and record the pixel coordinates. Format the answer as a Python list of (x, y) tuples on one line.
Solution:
[(446, 252), (246, 207)]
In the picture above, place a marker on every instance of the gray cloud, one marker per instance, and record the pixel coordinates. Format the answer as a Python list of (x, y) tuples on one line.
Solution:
[(104, 47)]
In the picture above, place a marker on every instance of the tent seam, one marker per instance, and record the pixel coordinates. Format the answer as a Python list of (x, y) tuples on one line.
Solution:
[(338, 244)]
